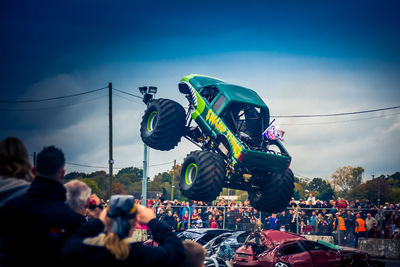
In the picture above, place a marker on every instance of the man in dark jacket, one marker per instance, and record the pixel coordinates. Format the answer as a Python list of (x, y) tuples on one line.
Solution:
[(283, 220), (35, 225)]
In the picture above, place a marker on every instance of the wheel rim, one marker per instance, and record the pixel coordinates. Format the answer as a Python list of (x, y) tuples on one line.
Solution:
[(191, 173), (281, 264), (151, 121)]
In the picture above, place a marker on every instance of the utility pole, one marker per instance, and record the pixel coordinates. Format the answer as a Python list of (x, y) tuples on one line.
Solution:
[(144, 182), (148, 94), (173, 182), (110, 157)]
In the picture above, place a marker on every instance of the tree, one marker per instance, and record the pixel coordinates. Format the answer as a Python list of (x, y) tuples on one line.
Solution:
[(134, 174), (321, 189), (93, 185), (347, 177), (378, 187), (299, 192), (118, 189), (327, 194), (318, 184)]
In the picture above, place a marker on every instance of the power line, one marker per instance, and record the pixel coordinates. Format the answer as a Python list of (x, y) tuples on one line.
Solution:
[(127, 93), (334, 122), (127, 99), (105, 167), (160, 164), (54, 107), (51, 98), (88, 166), (334, 114)]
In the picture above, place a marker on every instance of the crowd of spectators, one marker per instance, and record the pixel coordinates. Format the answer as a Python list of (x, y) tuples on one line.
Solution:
[(308, 216), (45, 221)]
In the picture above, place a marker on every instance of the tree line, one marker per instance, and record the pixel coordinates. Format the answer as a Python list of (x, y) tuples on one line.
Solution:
[(345, 182)]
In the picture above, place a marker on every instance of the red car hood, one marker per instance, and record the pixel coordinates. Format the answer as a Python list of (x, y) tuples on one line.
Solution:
[(277, 237)]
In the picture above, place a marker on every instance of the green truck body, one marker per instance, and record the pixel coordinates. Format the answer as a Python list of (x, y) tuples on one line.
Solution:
[(207, 116)]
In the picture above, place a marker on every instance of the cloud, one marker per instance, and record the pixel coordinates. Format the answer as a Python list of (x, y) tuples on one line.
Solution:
[(288, 84)]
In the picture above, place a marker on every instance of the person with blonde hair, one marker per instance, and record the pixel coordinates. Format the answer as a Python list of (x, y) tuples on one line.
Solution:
[(107, 241), (15, 169)]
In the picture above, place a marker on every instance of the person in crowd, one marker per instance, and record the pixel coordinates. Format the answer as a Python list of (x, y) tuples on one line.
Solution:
[(349, 219), (196, 219), (205, 215), (319, 224), (230, 218), (303, 217), (341, 203), (302, 228), (283, 220), (246, 217), (273, 222), (326, 230), (239, 218), (370, 223), (194, 254), (340, 227), (293, 217), (51, 220), (187, 208), (185, 219), (213, 222), (292, 202), (331, 222), (106, 241), (78, 194), (311, 199), (318, 204), (16, 172), (313, 220), (359, 229)]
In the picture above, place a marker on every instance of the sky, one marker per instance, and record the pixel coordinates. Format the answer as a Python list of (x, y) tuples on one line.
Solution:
[(302, 57)]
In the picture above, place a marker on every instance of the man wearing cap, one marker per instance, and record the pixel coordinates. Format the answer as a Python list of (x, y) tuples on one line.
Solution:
[(359, 228), (107, 241)]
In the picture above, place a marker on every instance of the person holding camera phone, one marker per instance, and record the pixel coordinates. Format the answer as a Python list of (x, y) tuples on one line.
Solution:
[(107, 241)]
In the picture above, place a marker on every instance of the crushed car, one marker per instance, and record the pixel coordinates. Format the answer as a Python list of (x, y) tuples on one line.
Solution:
[(281, 249)]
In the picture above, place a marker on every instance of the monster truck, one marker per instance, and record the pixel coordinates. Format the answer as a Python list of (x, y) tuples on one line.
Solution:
[(229, 122)]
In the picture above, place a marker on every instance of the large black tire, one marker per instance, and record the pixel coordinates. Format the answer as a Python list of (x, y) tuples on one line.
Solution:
[(163, 124), (202, 175), (275, 193)]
